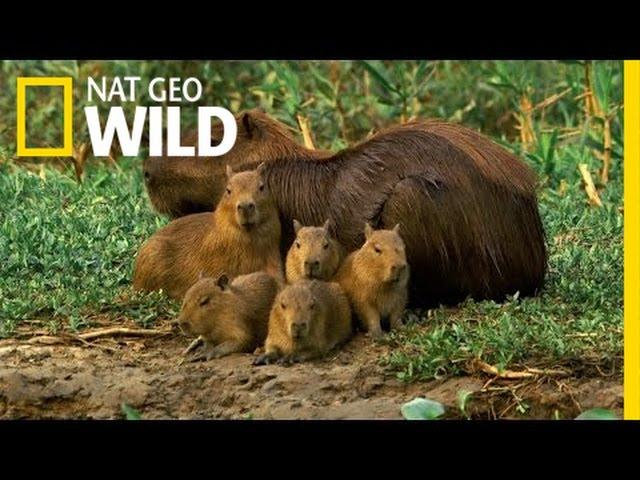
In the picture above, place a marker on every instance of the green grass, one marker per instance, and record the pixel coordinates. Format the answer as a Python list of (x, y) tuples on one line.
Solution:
[(67, 250)]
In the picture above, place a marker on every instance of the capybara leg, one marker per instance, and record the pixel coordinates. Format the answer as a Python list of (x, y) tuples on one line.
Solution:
[(395, 319), (225, 348), (370, 319), (274, 268), (205, 353)]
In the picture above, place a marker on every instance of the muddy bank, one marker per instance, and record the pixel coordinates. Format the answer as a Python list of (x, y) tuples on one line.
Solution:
[(83, 381)]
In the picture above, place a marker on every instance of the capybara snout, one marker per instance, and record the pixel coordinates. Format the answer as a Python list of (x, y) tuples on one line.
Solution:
[(312, 268)]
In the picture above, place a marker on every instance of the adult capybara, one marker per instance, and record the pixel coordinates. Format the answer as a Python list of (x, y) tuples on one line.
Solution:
[(313, 254), (307, 320), (229, 316), (375, 278), (466, 206), (241, 236)]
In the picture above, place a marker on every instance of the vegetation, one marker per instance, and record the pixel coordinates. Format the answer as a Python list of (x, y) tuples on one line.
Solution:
[(67, 246)]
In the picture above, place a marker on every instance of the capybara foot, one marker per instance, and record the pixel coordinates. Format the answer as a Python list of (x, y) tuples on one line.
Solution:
[(376, 335), (265, 359)]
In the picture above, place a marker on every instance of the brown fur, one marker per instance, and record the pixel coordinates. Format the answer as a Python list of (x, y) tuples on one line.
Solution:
[(230, 317), (467, 207), (230, 240), (375, 279), (308, 319), (314, 254)]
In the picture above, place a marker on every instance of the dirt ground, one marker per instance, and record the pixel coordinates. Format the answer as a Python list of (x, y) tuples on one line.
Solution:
[(82, 379)]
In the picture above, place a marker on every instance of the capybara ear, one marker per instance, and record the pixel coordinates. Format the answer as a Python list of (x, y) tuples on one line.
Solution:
[(261, 168), (229, 172), (223, 281), (368, 230), (296, 225), (397, 228), (325, 226), (248, 124)]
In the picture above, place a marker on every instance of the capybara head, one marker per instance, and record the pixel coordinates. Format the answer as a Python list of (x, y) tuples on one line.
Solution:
[(203, 303), (299, 310), (384, 254), (246, 198), (316, 252), (179, 186)]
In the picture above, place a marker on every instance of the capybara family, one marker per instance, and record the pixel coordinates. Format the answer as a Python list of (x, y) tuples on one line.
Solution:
[(241, 236), (307, 320), (467, 206), (230, 316), (375, 278), (313, 254)]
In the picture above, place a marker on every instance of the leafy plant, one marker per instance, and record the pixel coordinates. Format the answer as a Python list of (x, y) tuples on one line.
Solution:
[(130, 413), (597, 414), (422, 409)]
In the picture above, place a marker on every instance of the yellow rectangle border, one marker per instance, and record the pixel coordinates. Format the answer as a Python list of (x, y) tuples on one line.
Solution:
[(631, 240), (21, 137)]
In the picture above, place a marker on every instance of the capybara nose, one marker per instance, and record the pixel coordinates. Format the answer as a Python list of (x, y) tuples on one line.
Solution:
[(311, 267), (397, 270), (184, 326), (297, 329), (246, 207)]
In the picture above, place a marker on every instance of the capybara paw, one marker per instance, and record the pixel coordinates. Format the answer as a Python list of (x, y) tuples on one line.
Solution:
[(263, 359), (376, 335), (286, 361)]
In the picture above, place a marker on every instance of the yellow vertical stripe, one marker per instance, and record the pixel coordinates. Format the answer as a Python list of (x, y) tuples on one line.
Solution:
[(631, 239)]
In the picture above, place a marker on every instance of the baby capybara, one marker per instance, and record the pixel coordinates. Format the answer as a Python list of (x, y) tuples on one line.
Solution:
[(375, 278), (229, 316), (241, 236), (313, 254), (307, 320)]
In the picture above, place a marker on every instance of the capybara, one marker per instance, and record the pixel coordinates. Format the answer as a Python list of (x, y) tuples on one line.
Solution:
[(314, 254), (467, 206), (307, 320), (241, 236), (375, 279), (229, 316)]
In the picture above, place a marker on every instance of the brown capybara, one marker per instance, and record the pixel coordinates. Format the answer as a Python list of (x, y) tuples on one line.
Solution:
[(229, 316), (375, 279), (241, 236), (308, 319), (314, 254), (467, 206)]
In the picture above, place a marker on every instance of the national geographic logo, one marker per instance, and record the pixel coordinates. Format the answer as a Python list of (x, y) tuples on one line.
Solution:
[(21, 136), (160, 90)]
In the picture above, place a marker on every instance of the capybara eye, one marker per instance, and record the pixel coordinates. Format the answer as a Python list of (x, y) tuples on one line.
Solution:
[(377, 249), (261, 187), (204, 301), (228, 191), (325, 246), (297, 244), (312, 306), (282, 305)]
